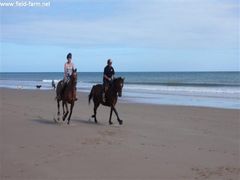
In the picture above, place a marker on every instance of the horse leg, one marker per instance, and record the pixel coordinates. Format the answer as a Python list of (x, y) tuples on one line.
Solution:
[(95, 112), (71, 108), (65, 115), (58, 113), (119, 120), (110, 118), (63, 110)]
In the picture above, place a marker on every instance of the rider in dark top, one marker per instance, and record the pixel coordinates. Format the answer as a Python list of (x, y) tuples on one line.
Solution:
[(107, 77)]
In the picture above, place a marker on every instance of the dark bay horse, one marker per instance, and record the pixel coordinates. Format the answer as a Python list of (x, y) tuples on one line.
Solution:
[(112, 94), (68, 95)]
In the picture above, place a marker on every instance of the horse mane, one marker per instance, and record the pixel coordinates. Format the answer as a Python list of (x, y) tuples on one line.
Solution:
[(115, 79), (114, 82)]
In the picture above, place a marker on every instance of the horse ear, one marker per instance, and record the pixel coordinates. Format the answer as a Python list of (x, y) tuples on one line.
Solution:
[(75, 70)]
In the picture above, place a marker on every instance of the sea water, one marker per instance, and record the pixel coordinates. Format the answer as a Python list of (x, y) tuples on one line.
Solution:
[(208, 89)]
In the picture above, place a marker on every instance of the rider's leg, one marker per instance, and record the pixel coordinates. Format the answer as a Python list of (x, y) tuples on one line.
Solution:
[(105, 92), (75, 94)]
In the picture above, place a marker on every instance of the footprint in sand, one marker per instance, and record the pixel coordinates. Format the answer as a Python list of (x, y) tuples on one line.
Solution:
[(21, 147), (91, 141), (107, 133)]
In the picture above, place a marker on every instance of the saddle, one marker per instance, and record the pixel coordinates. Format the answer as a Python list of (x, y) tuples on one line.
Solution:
[(105, 97)]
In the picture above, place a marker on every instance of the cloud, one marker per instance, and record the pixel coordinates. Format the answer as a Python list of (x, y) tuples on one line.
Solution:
[(156, 23)]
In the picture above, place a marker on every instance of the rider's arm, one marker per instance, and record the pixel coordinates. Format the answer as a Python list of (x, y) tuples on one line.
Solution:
[(104, 74)]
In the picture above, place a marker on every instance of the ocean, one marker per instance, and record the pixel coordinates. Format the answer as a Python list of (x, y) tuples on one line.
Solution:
[(206, 89)]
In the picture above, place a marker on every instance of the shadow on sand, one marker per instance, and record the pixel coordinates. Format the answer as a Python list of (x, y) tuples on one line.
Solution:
[(73, 121), (88, 121), (45, 121)]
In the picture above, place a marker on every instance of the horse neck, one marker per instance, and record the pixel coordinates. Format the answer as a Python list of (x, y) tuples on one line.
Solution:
[(72, 85), (113, 89)]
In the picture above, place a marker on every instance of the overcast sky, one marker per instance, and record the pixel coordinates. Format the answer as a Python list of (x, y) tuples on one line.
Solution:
[(138, 35)]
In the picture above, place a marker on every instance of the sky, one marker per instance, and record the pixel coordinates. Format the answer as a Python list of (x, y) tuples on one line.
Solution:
[(138, 35)]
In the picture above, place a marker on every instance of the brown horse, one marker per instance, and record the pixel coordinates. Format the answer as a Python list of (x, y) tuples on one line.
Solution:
[(67, 96), (112, 94)]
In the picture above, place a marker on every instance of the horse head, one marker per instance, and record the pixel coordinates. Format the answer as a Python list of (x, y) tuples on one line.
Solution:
[(118, 84), (74, 76)]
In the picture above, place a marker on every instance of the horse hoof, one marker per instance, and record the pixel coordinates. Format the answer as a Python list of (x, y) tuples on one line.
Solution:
[(96, 121), (93, 116), (68, 122), (120, 122), (110, 123)]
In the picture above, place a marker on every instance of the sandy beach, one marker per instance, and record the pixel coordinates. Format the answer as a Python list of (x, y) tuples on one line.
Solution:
[(154, 142)]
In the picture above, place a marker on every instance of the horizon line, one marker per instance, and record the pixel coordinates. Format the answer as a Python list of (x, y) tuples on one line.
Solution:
[(118, 71)]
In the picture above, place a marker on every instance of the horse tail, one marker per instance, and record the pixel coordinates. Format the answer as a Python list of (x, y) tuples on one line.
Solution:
[(57, 98), (90, 95), (58, 90)]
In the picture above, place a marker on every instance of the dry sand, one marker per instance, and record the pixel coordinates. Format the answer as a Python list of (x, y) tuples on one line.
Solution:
[(154, 142)]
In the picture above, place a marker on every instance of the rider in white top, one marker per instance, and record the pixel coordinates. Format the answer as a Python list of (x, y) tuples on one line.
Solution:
[(68, 68)]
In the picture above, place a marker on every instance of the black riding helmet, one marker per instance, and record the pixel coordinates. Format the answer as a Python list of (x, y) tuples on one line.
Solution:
[(69, 56), (109, 61)]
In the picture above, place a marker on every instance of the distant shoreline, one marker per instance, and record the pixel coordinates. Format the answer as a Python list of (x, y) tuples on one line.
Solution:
[(127, 100), (127, 72)]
